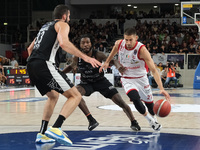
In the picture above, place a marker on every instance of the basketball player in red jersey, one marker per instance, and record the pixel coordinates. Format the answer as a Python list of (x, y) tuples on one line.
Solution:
[(135, 60)]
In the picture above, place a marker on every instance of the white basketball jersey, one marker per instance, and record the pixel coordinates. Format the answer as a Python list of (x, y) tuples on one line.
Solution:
[(130, 59)]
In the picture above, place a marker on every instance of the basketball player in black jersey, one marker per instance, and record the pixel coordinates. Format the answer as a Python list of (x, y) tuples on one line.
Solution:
[(92, 80), (48, 79)]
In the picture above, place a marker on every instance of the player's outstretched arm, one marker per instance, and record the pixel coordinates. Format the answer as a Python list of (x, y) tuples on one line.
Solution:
[(71, 66), (147, 57), (110, 57), (62, 29)]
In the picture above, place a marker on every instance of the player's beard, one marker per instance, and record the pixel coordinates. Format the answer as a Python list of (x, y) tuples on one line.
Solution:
[(86, 52)]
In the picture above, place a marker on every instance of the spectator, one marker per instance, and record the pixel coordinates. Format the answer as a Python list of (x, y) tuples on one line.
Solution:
[(16, 66), (198, 50), (171, 75), (173, 48), (191, 49), (185, 47), (162, 49), (150, 76), (155, 50), (101, 48), (13, 62), (179, 39), (3, 78), (164, 74), (178, 69), (160, 66)]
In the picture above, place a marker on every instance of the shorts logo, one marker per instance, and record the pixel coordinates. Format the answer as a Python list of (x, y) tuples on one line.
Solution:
[(146, 86), (111, 87), (54, 85)]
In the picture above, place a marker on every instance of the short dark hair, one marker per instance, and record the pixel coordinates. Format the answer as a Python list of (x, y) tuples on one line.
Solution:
[(130, 31), (59, 11), (87, 36)]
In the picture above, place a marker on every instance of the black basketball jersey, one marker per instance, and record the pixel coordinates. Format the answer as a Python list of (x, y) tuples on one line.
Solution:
[(46, 43), (88, 73)]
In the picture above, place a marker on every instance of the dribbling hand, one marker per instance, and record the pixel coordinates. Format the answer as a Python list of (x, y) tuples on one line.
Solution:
[(167, 96)]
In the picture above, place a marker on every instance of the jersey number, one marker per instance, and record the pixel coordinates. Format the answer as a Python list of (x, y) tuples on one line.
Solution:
[(38, 39)]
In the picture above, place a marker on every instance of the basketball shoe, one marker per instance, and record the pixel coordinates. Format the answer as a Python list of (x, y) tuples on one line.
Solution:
[(135, 126), (41, 138), (155, 125), (58, 135), (92, 124)]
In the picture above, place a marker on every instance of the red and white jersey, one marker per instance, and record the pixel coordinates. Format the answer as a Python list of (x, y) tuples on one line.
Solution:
[(130, 58)]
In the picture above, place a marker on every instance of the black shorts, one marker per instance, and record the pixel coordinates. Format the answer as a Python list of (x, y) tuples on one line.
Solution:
[(102, 86), (46, 77)]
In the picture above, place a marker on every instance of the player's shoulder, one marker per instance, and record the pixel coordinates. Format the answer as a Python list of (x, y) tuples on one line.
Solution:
[(140, 43), (118, 42), (61, 24), (100, 55)]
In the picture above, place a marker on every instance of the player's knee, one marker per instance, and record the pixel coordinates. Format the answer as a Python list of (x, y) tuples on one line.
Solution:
[(135, 97), (53, 96), (73, 93), (77, 96)]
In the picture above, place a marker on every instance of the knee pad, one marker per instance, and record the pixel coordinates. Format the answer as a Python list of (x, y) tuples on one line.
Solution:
[(150, 108), (135, 97)]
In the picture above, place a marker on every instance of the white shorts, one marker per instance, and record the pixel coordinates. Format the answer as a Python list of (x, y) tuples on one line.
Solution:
[(139, 84)]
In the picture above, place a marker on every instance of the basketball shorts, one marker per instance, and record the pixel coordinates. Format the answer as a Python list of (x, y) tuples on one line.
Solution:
[(102, 86), (141, 85), (46, 77)]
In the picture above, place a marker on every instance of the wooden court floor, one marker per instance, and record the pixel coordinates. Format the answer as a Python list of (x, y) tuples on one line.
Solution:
[(21, 111)]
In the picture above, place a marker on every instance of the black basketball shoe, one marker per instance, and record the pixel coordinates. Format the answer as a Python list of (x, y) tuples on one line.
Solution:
[(92, 124), (135, 126)]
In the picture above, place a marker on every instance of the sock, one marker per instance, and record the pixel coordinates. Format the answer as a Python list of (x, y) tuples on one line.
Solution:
[(149, 118), (154, 117), (90, 118), (59, 121), (44, 126)]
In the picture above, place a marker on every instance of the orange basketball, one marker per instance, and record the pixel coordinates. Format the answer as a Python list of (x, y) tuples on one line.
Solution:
[(162, 108)]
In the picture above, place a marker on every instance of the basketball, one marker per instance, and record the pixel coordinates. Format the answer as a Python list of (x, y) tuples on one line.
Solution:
[(162, 108)]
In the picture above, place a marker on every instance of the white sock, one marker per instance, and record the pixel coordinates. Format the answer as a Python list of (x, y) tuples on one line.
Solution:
[(154, 117), (149, 118)]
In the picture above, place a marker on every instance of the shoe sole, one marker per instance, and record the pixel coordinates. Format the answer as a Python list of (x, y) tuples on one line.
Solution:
[(158, 129), (50, 135), (43, 142), (134, 128), (93, 126)]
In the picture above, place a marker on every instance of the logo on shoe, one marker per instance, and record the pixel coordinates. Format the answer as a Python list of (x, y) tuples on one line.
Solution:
[(57, 133)]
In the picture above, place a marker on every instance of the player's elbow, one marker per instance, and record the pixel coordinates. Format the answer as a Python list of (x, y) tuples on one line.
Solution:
[(64, 44), (29, 50)]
